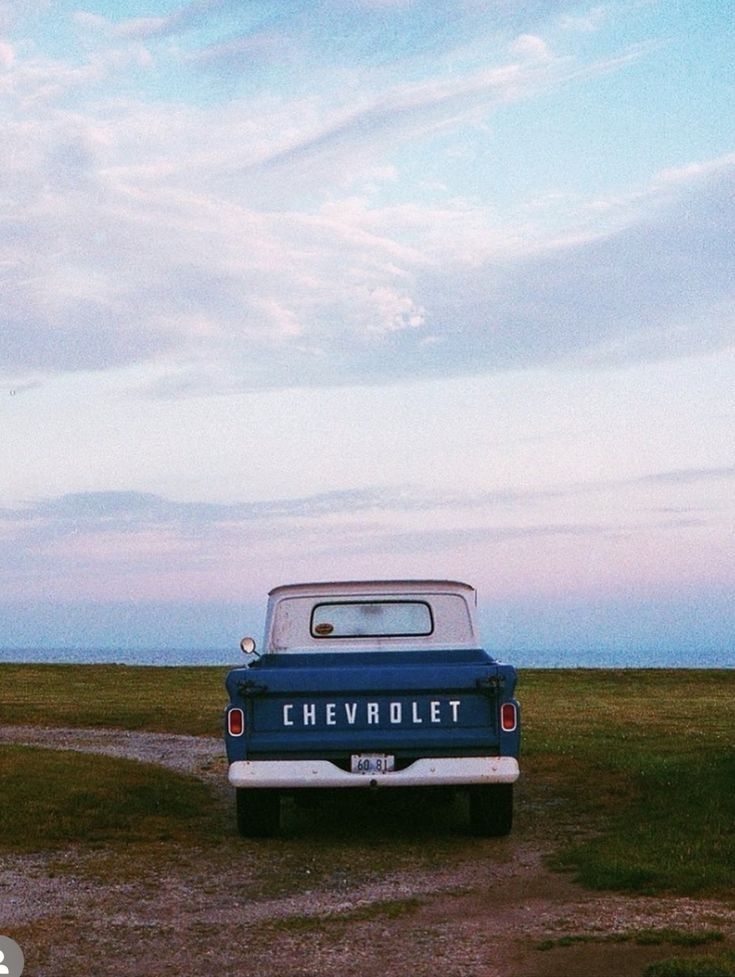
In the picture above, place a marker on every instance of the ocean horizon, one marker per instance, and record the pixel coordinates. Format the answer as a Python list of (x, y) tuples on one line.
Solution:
[(227, 658)]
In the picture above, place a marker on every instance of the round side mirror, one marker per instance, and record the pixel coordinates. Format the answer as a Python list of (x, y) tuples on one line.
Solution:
[(247, 646)]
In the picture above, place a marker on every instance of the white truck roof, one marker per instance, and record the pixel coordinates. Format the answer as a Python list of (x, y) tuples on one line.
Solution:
[(310, 617)]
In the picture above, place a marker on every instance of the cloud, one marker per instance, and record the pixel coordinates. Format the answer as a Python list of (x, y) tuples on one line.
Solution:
[(237, 55), (7, 55), (332, 144), (131, 511), (15, 12), (125, 511), (433, 539), (660, 287), (124, 544), (532, 47), (250, 238), (587, 22), (691, 476), (100, 273), (194, 14), (330, 141), (118, 544)]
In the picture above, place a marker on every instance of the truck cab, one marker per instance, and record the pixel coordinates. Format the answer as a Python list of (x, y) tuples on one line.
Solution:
[(372, 684)]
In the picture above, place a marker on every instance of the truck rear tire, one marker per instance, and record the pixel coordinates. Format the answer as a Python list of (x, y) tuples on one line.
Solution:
[(258, 812), (491, 809)]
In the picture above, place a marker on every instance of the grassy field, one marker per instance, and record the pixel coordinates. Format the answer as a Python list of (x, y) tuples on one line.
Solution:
[(643, 760), (163, 700), (647, 758), (56, 798)]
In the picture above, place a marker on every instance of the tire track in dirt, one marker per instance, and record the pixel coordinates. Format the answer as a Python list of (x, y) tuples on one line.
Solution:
[(200, 756)]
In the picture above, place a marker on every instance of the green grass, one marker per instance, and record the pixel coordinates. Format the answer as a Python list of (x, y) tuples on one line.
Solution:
[(676, 834), (641, 759), (645, 757), (642, 937), (174, 700), (53, 798), (722, 965)]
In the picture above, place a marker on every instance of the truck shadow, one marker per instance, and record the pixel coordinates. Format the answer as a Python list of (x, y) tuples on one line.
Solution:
[(387, 813)]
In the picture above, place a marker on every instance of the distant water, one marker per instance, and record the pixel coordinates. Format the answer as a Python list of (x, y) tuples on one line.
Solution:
[(607, 658), (123, 656), (225, 657)]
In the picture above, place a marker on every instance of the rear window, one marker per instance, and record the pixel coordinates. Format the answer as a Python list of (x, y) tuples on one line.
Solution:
[(372, 619)]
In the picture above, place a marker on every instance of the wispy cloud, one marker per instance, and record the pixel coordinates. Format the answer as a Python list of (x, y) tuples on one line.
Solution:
[(691, 476), (138, 233), (256, 238), (126, 511), (190, 15), (280, 290), (122, 542), (660, 287)]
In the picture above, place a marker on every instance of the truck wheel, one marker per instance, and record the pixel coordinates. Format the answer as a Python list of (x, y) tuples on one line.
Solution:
[(491, 809), (258, 812)]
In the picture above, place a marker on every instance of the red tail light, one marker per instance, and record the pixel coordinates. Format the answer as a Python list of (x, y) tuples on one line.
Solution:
[(508, 717), (236, 722)]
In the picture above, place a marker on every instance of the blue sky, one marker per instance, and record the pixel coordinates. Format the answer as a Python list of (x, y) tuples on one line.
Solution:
[(357, 289)]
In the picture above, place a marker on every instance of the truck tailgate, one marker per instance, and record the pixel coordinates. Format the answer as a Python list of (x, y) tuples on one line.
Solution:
[(417, 703)]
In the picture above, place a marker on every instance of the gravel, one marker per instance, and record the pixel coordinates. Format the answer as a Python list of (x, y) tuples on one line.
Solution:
[(217, 911)]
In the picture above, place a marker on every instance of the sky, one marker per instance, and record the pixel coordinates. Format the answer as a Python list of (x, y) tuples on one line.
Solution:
[(352, 289)]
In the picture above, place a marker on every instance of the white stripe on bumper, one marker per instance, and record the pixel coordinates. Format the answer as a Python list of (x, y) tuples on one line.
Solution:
[(444, 771)]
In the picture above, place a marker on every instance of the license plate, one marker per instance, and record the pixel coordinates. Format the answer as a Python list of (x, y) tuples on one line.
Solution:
[(372, 763)]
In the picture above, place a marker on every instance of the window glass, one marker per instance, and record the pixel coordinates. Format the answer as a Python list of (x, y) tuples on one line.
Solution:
[(372, 619)]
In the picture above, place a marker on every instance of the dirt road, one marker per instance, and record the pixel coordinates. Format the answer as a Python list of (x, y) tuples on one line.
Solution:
[(356, 887)]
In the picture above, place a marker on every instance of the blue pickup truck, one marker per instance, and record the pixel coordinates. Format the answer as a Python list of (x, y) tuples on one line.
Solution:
[(372, 684)]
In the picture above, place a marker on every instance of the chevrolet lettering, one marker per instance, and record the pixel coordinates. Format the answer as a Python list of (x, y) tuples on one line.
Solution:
[(395, 713), (372, 684)]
